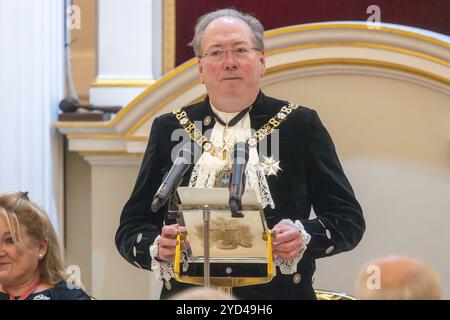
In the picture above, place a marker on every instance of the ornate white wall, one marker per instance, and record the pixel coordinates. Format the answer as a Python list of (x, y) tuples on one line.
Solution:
[(392, 139)]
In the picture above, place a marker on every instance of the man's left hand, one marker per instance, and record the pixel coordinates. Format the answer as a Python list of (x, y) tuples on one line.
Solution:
[(287, 243)]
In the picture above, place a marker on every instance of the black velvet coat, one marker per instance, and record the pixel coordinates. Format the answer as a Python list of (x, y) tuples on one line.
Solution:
[(311, 176)]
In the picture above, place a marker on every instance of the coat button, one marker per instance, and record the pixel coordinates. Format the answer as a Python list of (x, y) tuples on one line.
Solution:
[(297, 278), (328, 233), (168, 285), (329, 250), (134, 252), (139, 238), (207, 121)]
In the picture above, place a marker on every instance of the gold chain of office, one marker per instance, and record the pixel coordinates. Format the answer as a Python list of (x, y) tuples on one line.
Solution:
[(267, 129)]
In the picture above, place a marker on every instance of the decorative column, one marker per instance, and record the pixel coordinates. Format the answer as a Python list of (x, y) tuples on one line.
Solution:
[(129, 50)]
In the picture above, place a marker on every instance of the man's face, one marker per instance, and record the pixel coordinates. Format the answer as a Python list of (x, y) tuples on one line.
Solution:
[(230, 76)]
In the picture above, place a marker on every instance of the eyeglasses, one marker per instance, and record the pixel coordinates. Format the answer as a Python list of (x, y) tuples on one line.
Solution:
[(218, 54)]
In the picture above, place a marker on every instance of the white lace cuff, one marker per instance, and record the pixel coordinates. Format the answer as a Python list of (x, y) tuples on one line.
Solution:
[(290, 267), (164, 269)]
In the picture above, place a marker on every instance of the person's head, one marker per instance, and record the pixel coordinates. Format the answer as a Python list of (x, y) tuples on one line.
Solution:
[(201, 293), (397, 278), (230, 50), (28, 244)]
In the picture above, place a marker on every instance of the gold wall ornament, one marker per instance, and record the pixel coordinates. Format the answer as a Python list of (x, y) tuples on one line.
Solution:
[(169, 35)]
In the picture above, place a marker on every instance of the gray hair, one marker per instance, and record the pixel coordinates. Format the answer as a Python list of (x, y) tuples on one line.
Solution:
[(203, 22)]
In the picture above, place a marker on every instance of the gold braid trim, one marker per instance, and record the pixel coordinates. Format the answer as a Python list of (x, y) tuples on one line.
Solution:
[(264, 131)]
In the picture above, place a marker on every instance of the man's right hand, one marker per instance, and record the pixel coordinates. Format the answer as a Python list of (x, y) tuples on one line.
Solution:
[(168, 242)]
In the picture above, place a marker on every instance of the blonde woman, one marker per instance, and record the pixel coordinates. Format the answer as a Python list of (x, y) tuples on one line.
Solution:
[(31, 263)]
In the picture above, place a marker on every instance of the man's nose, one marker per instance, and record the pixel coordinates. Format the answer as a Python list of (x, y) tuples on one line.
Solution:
[(230, 60)]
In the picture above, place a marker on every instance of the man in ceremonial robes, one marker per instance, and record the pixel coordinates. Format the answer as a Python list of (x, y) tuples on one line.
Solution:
[(300, 170)]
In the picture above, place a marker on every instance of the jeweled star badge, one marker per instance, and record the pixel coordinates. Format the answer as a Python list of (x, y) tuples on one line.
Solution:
[(270, 166)]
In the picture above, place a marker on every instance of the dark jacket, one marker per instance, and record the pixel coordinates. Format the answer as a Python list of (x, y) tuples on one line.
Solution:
[(60, 291), (311, 176)]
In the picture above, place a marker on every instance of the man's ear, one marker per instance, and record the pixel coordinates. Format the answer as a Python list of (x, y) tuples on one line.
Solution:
[(262, 59), (200, 71)]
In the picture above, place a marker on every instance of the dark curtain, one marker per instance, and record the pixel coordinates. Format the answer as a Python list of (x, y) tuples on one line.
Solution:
[(433, 15)]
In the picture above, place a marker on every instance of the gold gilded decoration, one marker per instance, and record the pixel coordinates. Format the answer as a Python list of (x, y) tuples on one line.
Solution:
[(263, 132), (329, 295), (227, 234), (274, 122), (226, 146), (273, 235), (223, 176), (189, 127), (207, 146), (281, 116), (184, 121), (169, 35)]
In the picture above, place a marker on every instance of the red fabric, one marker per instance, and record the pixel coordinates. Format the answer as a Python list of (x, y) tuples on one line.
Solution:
[(433, 15)]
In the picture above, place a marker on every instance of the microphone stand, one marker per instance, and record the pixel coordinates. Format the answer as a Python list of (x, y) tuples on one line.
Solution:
[(206, 258)]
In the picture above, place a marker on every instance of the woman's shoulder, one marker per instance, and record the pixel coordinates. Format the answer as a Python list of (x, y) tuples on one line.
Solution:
[(63, 291), (60, 291)]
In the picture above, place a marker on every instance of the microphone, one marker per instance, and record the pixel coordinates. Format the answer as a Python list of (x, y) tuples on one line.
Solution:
[(237, 180), (68, 105), (186, 157)]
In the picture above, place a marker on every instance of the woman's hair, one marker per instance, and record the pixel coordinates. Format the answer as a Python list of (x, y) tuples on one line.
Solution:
[(23, 215), (203, 22)]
